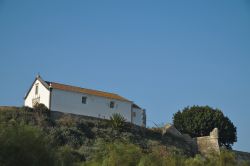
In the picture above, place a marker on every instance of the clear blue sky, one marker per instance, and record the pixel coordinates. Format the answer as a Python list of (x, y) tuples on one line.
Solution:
[(164, 55)]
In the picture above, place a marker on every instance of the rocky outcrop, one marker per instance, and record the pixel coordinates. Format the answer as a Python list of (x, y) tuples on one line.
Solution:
[(203, 145), (170, 129)]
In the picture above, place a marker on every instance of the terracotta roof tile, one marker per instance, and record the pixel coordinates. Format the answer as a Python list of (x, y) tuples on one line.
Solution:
[(86, 91)]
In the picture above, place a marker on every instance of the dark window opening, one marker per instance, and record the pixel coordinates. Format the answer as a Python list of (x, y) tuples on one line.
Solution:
[(112, 104), (36, 91), (84, 100)]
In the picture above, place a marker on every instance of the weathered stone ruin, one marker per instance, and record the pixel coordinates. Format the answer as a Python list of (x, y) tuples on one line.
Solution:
[(204, 145)]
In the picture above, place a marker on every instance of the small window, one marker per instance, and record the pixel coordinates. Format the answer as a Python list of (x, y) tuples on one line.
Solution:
[(84, 100), (134, 114), (112, 104), (36, 91)]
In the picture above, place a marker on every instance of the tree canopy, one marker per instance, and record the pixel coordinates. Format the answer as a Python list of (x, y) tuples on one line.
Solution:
[(201, 120)]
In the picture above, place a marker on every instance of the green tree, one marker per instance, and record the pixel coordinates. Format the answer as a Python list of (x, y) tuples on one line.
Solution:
[(201, 120)]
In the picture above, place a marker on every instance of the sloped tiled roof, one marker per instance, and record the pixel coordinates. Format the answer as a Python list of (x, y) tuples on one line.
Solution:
[(86, 91)]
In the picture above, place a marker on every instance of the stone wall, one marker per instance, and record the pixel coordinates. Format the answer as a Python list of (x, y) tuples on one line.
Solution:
[(208, 144)]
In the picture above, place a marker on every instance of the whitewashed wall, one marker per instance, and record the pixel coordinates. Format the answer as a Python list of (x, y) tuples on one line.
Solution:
[(43, 94), (138, 118), (71, 102)]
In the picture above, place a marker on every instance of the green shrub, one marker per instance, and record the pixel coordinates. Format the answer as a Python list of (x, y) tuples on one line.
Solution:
[(66, 156), (227, 158), (116, 154), (157, 130), (41, 108), (66, 121), (198, 160), (245, 163), (84, 127), (26, 115), (67, 136), (24, 145), (117, 121), (150, 160), (26, 109)]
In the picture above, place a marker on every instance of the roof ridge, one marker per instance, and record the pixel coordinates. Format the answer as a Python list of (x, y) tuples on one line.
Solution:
[(93, 90), (83, 88)]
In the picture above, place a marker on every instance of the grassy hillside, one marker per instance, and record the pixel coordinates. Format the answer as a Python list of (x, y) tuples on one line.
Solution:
[(38, 137)]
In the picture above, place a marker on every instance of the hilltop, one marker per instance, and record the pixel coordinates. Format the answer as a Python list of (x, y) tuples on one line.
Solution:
[(91, 141)]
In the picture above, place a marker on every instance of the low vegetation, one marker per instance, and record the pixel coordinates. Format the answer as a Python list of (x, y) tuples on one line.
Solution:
[(31, 138), (117, 121)]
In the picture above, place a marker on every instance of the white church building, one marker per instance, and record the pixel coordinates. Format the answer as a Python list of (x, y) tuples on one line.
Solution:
[(82, 101)]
